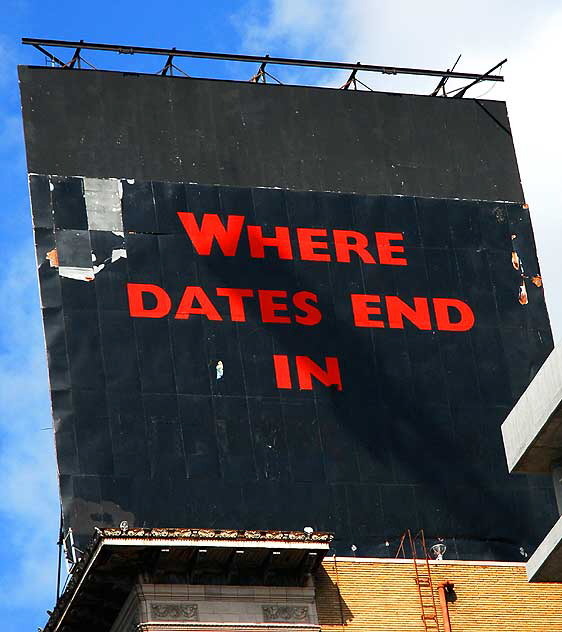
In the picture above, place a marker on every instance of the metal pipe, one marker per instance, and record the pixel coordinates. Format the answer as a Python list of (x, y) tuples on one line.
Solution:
[(49, 55), (462, 92), (59, 545), (442, 588), (281, 61)]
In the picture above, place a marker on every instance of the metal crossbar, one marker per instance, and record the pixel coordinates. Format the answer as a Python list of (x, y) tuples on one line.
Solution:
[(170, 53)]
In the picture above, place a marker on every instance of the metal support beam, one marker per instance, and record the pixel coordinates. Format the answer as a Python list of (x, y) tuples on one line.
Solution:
[(443, 80), (351, 80), (483, 77), (168, 66), (75, 58), (260, 74), (256, 59), (49, 55)]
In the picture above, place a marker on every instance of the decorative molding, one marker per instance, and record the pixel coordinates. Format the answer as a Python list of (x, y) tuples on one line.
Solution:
[(174, 611), (215, 534), (294, 614)]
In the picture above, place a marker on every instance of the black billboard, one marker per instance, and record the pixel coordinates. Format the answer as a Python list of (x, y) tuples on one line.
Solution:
[(249, 331)]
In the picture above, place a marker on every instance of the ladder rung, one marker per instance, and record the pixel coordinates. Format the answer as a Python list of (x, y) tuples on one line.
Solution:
[(425, 617)]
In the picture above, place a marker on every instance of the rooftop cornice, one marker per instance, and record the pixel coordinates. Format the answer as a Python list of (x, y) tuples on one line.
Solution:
[(176, 537), (213, 534)]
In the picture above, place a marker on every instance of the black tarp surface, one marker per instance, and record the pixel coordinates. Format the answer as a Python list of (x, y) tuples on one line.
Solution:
[(119, 125)]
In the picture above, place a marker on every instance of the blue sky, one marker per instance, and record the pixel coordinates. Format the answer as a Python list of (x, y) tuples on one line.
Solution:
[(401, 32)]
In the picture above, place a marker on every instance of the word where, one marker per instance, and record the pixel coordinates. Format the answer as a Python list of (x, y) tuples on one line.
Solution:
[(314, 244)]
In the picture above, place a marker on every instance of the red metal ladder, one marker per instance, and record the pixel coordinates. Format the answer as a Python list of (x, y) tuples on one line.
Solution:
[(422, 577)]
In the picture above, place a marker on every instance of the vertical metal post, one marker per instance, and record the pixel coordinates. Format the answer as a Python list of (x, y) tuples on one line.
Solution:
[(59, 563)]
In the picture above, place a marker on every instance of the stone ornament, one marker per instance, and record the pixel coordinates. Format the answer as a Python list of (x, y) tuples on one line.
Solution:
[(295, 614), (214, 534), (174, 611)]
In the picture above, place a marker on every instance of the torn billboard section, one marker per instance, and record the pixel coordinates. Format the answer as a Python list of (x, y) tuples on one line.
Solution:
[(73, 255)]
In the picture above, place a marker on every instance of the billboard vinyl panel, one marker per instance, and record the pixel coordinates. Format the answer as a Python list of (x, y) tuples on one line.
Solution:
[(262, 315)]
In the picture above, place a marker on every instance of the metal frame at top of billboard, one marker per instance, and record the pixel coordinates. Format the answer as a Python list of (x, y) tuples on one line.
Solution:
[(263, 60)]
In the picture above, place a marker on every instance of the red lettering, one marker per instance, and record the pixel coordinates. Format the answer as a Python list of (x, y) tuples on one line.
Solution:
[(235, 302), (444, 323), (281, 241), (307, 369), (397, 310), (346, 241), (385, 248), (186, 307), (213, 229), (362, 310), (135, 292), (308, 246), (282, 372), (269, 307), (312, 315)]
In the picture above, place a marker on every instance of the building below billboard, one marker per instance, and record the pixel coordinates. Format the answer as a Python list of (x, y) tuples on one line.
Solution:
[(210, 580)]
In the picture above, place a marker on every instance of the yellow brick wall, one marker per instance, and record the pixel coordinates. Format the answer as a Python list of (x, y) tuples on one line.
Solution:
[(381, 596)]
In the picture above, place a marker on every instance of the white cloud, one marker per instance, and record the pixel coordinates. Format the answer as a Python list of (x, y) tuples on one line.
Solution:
[(431, 35), (288, 24)]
